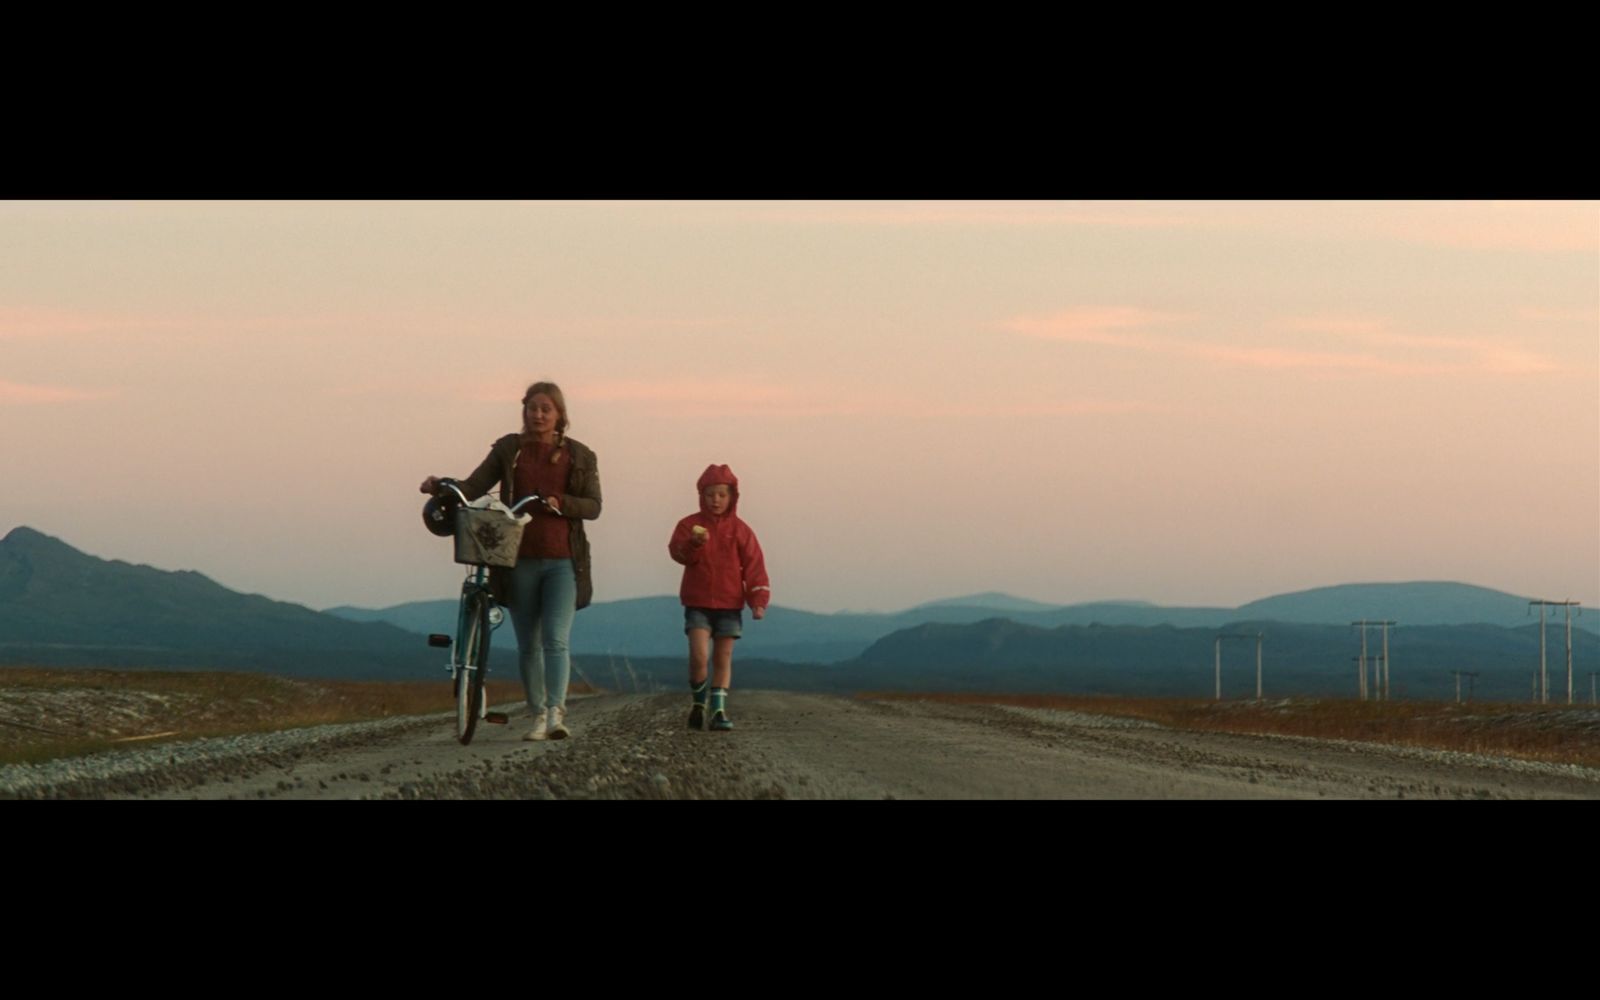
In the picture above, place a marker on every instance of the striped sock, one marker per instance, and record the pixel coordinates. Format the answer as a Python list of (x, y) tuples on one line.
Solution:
[(719, 701)]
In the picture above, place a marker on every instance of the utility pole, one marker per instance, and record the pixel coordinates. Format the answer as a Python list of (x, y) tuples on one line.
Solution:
[(1380, 690), (1386, 659), (1217, 645), (1361, 671), (1543, 693), (1592, 675), (1258, 659), (1544, 682), (1570, 605)]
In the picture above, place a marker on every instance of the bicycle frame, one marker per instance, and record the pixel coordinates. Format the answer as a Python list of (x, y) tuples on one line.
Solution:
[(476, 599), (477, 582)]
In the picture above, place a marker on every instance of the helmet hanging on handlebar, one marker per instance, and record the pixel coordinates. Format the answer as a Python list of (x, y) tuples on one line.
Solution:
[(438, 514)]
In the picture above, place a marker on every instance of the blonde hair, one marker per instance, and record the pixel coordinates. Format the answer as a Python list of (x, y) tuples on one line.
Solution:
[(554, 392)]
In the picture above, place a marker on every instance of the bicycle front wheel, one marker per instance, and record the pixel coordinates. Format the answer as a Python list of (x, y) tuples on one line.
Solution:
[(473, 664)]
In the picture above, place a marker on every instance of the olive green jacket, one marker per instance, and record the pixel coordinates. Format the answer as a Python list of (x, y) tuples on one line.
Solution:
[(579, 502)]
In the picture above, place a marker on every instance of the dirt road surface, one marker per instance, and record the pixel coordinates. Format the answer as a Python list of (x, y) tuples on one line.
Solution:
[(803, 746)]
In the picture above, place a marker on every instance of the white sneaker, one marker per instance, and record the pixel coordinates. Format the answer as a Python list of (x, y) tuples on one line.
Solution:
[(558, 723), (538, 730)]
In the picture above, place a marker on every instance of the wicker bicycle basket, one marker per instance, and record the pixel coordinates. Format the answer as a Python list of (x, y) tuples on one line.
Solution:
[(487, 538)]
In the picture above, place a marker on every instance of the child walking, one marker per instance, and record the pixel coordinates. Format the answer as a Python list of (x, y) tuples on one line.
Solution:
[(723, 570)]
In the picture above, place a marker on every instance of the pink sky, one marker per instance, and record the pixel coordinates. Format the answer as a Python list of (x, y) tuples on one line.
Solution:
[(1189, 403)]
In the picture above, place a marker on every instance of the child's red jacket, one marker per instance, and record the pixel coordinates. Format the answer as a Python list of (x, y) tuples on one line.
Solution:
[(728, 571)]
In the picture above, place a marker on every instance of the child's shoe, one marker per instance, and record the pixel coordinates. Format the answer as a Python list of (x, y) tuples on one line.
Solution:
[(697, 712), (719, 710)]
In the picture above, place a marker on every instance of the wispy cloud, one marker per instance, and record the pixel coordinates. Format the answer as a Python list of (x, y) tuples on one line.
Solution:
[(23, 322), (757, 399), (1494, 356), (1343, 326), (1548, 227), (1543, 315), (987, 214), (1046, 408), (1536, 226), (1278, 357), (1094, 325), (1469, 357), (48, 322), (739, 392), (1502, 360), (1026, 216), (20, 394), (1128, 327)]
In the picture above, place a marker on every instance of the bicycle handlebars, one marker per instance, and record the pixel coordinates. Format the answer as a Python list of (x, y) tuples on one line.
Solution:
[(450, 484)]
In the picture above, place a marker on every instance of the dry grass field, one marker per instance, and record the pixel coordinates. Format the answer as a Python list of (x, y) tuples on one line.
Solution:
[(56, 713), (1554, 733)]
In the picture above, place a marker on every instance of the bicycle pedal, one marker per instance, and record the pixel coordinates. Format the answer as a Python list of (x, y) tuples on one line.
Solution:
[(498, 718)]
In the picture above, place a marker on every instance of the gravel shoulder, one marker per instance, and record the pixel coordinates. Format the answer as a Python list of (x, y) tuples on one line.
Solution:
[(790, 746)]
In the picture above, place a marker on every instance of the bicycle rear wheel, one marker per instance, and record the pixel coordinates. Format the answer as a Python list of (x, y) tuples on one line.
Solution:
[(474, 662)]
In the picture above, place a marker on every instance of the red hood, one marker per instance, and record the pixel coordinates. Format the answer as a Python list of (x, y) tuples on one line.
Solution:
[(718, 475)]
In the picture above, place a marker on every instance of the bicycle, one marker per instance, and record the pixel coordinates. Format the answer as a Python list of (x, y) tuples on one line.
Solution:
[(481, 541)]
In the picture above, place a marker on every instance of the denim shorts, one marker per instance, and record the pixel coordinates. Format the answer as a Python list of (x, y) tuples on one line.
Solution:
[(723, 623)]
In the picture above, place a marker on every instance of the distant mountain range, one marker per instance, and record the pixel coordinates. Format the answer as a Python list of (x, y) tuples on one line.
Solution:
[(60, 606), (653, 626), (1301, 659)]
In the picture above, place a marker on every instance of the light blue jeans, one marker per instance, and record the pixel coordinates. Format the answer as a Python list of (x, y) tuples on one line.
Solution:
[(544, 597)]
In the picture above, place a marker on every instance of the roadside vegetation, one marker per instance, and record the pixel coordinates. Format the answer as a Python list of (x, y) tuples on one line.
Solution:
[(1560, 734), (48, 713)]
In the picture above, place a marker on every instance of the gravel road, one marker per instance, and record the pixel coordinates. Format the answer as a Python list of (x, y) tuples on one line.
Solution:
[(790, 746)]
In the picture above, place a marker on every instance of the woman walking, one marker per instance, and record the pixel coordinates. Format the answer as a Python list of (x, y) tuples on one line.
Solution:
[(551, 580)]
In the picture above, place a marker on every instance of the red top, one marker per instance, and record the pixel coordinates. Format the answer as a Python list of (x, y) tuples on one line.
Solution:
[(728, 571), (546, 536)]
